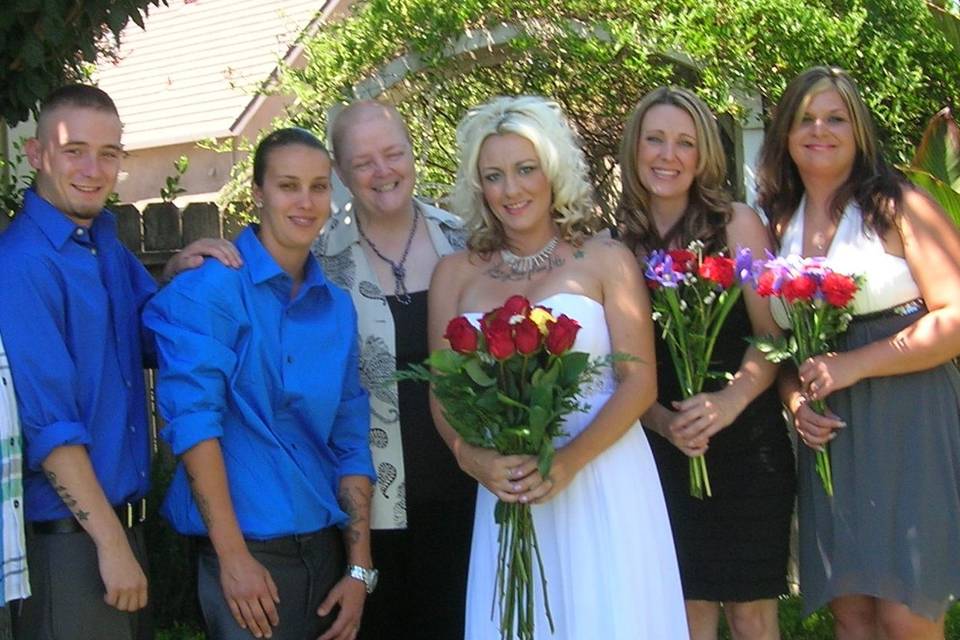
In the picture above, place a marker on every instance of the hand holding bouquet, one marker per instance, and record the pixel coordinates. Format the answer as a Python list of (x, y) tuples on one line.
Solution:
[(507, 386), (692, 295), (818, 304)]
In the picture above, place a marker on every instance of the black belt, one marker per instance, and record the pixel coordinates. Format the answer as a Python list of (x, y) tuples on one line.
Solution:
[(130, 515)]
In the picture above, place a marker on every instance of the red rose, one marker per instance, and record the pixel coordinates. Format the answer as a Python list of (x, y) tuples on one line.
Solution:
[(838, 289), (526, 335), (462, 335), (718, 269), (765, 284), (499, 336), (800, 288), (516, 306), (490, 316), (561, 334), (684, 260)]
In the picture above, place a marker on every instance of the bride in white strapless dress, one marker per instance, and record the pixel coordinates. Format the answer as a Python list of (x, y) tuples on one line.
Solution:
[(605, 540), (602, 525)]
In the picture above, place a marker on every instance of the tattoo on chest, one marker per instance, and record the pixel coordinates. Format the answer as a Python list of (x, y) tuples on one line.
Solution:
[(509, 273)]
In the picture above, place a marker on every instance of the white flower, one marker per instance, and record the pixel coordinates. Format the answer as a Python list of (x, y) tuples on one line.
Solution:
[(711, 297), (656, 316), (683, 305)]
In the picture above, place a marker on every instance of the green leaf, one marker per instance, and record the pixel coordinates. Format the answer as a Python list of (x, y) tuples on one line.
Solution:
[(947, 197), (939, 150), (574, 363), (545, 459), (475, 370), (446, 360)]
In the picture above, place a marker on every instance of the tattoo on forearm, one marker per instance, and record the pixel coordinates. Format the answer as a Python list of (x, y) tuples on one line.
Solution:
[(68, 499), (203, 505), (355, 501), (508, 273)]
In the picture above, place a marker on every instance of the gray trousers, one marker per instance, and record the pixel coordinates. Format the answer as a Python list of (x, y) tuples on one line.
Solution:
[(304, 568), (67, 601)]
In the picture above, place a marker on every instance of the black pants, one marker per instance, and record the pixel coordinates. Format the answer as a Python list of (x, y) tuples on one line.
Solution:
[(304, 568), (423, 575), (67, 601)]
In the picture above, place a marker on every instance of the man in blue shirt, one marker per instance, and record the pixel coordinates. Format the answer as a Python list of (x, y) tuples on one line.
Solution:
[(70, 318)]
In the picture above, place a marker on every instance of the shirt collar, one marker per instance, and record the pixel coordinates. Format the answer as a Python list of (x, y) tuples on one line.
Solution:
[(263, 267), (341, 230), (58, 227)]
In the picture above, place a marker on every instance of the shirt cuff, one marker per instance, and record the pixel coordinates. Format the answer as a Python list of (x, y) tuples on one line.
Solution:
[(187, 431), (41, 442)]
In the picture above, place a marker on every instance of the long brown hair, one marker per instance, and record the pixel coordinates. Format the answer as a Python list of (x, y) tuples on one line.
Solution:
[(873, 184), (708, 208)]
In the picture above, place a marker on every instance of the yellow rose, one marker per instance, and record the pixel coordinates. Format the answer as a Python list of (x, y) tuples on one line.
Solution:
[(541, 317)]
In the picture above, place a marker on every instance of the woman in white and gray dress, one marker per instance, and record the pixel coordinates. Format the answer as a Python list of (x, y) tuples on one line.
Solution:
[(883, 551)]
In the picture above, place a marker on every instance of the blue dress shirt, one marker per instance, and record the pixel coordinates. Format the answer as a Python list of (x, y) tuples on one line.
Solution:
[(275, 379), (70, 302)]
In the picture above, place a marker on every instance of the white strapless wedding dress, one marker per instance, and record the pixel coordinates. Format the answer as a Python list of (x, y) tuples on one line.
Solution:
[(605, 540)]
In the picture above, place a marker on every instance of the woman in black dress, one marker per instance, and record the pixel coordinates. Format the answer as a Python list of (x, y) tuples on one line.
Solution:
[(382, 246), (733, 547)]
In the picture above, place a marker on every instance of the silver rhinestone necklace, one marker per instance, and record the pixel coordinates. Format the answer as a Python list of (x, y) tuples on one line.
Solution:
[(533, 262)]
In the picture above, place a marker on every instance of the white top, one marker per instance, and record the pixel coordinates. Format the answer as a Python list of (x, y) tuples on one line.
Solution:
[(859, 251)]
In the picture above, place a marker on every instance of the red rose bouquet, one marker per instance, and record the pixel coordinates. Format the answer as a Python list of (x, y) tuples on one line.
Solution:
[(507, 385), (817, 302), (692, 294)]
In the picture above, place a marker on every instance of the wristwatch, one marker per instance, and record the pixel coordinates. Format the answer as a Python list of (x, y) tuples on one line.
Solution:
[(368, 577)]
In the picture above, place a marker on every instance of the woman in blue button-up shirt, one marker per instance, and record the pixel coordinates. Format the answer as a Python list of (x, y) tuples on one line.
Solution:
[(260, 388)]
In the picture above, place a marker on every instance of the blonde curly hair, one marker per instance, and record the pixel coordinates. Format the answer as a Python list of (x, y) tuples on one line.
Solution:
[(542, 123)]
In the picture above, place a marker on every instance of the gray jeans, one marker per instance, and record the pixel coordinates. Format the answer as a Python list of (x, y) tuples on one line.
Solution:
[(67, 601), (304, 568)]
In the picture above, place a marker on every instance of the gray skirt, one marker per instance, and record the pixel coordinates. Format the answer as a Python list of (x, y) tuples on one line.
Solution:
[(892, 528)]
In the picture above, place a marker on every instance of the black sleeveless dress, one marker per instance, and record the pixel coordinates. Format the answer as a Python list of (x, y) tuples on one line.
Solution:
[(733, 546), (423, 568)]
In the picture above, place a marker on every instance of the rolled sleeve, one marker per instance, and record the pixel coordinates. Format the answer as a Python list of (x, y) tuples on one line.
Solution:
[(351, 429), (192, 339), (44, 439), (33, 321)]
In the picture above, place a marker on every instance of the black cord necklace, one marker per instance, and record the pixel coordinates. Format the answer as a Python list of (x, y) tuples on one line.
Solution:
[(399, 272)]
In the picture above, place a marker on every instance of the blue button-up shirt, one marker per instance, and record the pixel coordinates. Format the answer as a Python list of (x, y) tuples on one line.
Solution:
[(275, 379), (70, 302)]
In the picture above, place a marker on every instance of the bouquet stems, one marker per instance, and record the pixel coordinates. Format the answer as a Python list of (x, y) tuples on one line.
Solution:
[(823, 455), (699, 479), (518, 548)]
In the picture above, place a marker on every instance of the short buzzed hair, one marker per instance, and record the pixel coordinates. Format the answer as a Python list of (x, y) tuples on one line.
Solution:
[(346, 115), (76, 95)]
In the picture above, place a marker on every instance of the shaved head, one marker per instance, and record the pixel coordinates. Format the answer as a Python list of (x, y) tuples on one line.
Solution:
[(356, 113)]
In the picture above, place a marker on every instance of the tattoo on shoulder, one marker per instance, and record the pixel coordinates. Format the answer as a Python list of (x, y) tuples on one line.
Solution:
[(578, 254), (64, 494)]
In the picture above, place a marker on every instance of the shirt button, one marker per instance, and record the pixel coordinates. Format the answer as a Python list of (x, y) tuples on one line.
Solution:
[(93, 251), (133, 429), (79, 232), (289, 359), (128, 383), (16, 504), (143, 474)]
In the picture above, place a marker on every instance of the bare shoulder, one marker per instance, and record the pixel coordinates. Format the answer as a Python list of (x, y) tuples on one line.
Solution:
[(747, 227), (918, 205), (605, 251)]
